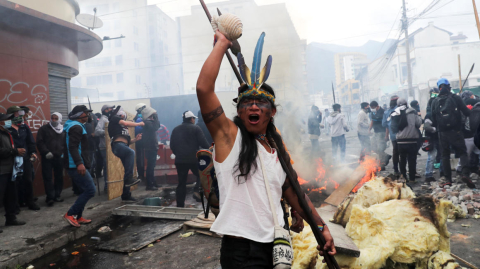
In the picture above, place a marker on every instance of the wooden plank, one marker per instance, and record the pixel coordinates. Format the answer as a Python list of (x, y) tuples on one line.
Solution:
[(135, 238), (158, 212), (343, 243), (337, 197), (115, 167)]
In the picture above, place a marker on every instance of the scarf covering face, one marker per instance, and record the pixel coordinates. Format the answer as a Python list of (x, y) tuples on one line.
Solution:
[(57, 126)]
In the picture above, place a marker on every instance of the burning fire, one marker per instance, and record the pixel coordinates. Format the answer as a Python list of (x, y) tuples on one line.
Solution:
[(371, 167), (320, 178)]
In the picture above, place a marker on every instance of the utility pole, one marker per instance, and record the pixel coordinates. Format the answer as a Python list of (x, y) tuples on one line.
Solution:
[(476, 16), (407, 52)]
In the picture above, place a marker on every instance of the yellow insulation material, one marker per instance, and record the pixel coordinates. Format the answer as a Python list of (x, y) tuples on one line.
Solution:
[(374, 192), (442, 260)]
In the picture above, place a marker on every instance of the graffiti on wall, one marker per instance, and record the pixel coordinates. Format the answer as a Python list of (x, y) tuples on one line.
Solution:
[(22, 94)]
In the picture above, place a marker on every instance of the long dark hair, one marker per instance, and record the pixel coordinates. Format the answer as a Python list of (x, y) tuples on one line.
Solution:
[(248, 148)]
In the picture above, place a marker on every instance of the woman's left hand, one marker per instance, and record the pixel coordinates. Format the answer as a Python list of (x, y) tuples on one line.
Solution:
[(329, 246)]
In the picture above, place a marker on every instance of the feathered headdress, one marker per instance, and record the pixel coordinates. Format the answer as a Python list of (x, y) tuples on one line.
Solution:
[(255, 78)]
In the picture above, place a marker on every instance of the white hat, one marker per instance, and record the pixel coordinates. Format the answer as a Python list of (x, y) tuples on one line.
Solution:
[(188, 114), (139, 106)]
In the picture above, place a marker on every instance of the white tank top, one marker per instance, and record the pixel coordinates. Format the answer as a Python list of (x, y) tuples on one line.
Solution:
[(244, 207)]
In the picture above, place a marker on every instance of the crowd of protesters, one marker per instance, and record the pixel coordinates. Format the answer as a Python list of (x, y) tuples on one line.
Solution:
[(449, 126), (78, 148)]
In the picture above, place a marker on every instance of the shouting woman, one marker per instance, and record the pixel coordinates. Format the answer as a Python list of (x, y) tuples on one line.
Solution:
[(243, 149)]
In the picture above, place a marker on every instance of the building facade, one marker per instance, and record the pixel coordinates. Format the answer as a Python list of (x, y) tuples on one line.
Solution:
[(288, 74), (145, 63), (40, 49), (348, 66)]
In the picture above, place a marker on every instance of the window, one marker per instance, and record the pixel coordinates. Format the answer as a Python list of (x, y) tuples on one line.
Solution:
[(99, 62), (137, 63), (135, 30), (152, 44), (136, 46), (99, 80), (152, 58), (138, 79), (119, 60), (355, 85), (120, 78), (151, 30), (118, 43)]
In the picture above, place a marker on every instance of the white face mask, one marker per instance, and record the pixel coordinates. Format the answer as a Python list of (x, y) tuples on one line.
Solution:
[(8, 123)]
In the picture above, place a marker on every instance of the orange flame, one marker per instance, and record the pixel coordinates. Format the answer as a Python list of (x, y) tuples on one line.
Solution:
[(371, 167), (302, 181)]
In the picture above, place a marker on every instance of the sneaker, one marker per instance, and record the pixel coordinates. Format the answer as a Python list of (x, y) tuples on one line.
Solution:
[(82, 220), (436, 165), (430, 179), (72, 220), (14, 223), (469, 182), (417, 175), (33, 206), (447, 183), (130, 200), (50, 202), (131, 182), (58, 200)]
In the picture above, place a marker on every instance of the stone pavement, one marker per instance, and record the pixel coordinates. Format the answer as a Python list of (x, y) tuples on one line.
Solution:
[(46, 230)]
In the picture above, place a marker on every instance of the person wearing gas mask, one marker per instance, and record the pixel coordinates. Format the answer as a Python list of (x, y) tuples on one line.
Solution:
[(150, 144), (120, 137), (8, 190), (363, 129), (23, 138), (100, 134), (50, 145), (76, 161)]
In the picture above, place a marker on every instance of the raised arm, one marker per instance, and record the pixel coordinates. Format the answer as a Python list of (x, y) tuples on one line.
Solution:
[(222, 129)]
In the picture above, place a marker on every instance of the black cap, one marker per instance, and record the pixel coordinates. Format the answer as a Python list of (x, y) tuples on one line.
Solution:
[(80, 108), (4, 117), (13, 109), (25, 108)]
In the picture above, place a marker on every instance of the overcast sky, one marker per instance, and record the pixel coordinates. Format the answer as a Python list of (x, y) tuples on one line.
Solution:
[(353, 22)]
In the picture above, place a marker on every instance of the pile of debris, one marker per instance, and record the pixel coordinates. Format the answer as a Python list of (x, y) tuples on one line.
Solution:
[(465, 199), (391, 227)]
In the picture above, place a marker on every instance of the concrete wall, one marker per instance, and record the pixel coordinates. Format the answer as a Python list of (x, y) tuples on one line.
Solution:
[(63, 9)]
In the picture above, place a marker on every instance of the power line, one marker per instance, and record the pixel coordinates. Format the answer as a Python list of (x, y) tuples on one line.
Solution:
[(394, 22)]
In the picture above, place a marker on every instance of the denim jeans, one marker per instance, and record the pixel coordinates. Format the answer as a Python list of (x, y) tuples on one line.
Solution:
[(432, 156), (151, 156), (53, 188), (365, 145), (85, 183), (103, 152), (127, 156), (339, 142)]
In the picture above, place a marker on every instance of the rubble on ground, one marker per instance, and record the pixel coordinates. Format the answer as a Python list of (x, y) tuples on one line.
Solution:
[(465, 200), (391, 227)]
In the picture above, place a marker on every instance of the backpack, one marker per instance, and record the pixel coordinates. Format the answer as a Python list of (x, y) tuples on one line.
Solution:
[(403, 121), (209, 183), (446, 112)]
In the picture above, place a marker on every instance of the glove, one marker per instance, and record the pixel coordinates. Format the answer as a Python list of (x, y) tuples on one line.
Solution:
[(49, 156)]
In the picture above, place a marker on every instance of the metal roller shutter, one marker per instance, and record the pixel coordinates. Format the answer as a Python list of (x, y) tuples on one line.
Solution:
[(59, 85)]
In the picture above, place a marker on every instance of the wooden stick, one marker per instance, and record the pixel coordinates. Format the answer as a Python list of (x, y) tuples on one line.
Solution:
[(460, 74), (229, 57), (464, 261), (329, 259)]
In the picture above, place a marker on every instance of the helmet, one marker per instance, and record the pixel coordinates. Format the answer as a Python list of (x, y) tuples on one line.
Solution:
[(442, 81), (139, 106)]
